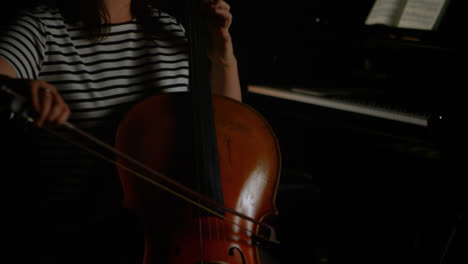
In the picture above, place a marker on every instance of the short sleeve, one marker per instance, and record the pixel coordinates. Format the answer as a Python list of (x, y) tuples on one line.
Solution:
[(23, 44)]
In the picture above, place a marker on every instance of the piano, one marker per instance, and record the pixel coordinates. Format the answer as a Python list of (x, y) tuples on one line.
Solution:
[(370, 121)]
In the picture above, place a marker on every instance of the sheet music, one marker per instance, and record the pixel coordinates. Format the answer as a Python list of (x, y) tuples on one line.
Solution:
[(386, 12), (422, 14), (412, 14)]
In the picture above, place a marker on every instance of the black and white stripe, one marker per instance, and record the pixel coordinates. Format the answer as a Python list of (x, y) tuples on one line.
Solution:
[(97, 78)]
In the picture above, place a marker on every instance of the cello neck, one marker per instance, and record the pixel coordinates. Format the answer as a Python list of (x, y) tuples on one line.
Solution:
[(205, 149)]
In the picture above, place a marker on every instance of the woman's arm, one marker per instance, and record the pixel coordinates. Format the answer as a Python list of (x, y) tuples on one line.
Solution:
[(7, 70), (224, 73)]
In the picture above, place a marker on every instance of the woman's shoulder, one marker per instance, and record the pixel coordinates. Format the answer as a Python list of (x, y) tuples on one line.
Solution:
[(167, 20), (34, 19), (38, 18), (42, 13)]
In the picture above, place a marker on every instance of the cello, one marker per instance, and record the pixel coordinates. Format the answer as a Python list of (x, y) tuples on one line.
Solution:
[(225, 150)]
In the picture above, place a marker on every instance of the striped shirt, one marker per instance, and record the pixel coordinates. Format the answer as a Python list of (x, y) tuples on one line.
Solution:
[(97, 79), (100, 81)]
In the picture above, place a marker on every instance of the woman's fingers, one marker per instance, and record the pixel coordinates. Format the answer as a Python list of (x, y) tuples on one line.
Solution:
[(59, 108), (63, 117), (218, 11), (34, 87), (223, 19), (216, 3), (45, 99), (62, 112), (48, 103)]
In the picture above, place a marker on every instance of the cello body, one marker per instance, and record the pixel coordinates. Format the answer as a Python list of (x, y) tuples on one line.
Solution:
[(156, 132)]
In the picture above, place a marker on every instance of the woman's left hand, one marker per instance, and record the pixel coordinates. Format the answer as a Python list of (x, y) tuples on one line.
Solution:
[(219, 43)]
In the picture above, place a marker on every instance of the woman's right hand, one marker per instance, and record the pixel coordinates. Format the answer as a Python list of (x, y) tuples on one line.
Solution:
[(48, 103)]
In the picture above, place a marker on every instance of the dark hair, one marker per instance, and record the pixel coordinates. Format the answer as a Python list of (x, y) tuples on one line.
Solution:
[(92, 13)]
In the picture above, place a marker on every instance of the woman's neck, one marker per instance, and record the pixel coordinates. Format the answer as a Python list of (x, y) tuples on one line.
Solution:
[(119, 10)]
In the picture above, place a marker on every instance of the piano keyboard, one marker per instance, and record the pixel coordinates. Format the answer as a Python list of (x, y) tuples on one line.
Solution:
[(340, 103)]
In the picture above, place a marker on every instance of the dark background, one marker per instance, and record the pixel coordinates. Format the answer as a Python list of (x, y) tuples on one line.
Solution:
[(357, 189)]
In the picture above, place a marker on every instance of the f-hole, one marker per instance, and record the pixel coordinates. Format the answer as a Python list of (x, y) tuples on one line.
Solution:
[(231, 253)]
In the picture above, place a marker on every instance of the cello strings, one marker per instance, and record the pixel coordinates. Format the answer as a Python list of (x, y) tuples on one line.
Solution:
[(200, 229)]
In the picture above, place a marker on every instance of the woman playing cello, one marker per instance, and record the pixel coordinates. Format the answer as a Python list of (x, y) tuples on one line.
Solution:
[(88, 62)]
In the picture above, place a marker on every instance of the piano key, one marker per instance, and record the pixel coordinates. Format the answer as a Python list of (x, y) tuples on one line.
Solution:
[(340, 103)]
